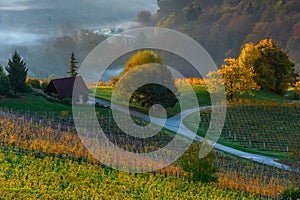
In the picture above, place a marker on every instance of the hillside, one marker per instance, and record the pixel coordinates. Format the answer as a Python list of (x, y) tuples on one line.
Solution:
[(223, 26)]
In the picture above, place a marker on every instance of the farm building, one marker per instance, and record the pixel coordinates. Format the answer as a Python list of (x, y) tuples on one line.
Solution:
[(63, 87)]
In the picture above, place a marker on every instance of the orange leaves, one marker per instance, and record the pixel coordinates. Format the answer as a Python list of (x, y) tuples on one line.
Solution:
[(297, 88), (191, 81), (254, 185), (237, 78)]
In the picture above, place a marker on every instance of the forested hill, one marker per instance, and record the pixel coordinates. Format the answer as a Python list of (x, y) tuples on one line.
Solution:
[(222, 26)]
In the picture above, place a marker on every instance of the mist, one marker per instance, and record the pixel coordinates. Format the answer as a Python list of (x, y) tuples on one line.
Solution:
[(31, 26)]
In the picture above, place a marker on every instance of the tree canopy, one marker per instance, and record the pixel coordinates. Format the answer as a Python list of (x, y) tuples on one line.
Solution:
[(201, 169), (146, 66), (141, 58), (274, 71), (236, 77)]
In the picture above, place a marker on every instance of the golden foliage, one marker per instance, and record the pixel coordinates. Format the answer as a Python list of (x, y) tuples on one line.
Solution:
[(297, 88), (191, 81), (236, 77)]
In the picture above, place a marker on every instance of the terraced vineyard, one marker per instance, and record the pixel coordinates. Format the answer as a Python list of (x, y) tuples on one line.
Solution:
[(27, 177), (269, 127)]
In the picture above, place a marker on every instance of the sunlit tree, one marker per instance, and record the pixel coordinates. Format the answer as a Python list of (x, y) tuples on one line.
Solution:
[(274, 71), (141, 58), (149, 94), (236, 77)]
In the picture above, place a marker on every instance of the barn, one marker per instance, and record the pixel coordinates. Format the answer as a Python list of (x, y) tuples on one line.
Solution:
[(63, 87)]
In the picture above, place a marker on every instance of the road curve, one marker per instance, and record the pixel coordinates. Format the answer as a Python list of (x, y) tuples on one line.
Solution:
[(174, 122)]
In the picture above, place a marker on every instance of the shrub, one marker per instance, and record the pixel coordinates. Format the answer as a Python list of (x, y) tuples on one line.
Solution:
[(202, 169), (34, 82), (67, 101)]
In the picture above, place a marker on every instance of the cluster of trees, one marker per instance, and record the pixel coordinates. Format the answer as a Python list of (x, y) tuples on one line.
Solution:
[(262, 66), (222, 26), (15, 80)]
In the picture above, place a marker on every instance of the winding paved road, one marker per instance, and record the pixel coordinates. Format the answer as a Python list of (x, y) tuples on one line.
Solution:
[(173, 125)]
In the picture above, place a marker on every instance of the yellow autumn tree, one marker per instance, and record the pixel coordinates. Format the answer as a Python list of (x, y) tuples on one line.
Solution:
[(236, 77), (148, 67), (138, 59), (272, 66)]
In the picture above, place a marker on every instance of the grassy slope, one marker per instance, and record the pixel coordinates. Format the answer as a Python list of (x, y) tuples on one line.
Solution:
[(268, 96), (105, 93), (31, 102), (201, 93)]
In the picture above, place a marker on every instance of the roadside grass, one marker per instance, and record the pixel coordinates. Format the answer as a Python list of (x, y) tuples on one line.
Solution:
[(103, 92)]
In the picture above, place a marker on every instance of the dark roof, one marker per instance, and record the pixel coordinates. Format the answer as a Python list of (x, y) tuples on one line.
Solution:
[(63, 87)]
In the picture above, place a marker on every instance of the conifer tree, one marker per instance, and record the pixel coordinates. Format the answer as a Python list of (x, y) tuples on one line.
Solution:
[(17, 73), (72, 67)]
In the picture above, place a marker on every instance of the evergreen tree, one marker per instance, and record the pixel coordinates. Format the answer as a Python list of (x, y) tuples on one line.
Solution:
[(17, 73), (72, 67)]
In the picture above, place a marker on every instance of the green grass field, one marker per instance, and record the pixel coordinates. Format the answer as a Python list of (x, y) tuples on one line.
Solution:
[(203, 97), (105, 93), (33, 103)]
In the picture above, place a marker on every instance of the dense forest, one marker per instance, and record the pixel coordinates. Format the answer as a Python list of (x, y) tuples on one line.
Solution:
[(223, 26)]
